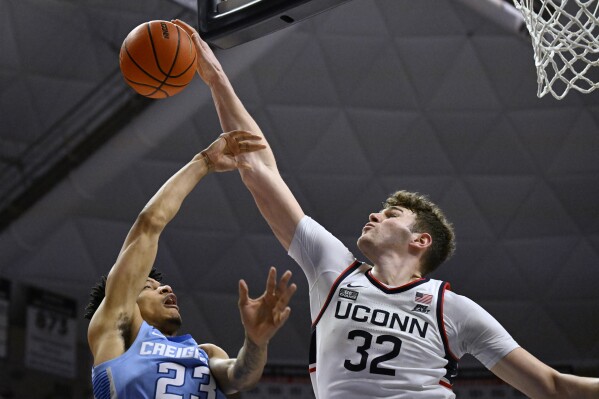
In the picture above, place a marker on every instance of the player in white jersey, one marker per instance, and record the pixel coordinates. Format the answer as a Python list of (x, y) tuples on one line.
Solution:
[(361, 331), (406, 340), (135, 318)]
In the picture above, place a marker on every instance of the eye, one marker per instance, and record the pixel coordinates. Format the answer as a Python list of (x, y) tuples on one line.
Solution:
[(146, 286), (393, 213)]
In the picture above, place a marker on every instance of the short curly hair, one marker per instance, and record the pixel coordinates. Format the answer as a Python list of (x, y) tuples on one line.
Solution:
[(429, 219), (98, 292)]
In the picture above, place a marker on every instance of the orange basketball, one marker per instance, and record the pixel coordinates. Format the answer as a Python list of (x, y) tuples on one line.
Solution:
[(158, 59)]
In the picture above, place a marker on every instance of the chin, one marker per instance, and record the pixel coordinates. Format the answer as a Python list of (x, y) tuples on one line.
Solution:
[(363, 242), (171, 326), (176, 321)]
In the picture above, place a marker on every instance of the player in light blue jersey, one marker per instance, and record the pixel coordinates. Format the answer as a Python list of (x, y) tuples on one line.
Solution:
[(135, 318), (384, 329)]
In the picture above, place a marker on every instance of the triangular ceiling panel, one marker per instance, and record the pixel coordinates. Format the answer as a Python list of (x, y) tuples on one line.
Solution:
[(507, 74), (582, 262), (65, 25), (499, 269), (407, 19), (306, 79), (267, 251), (540, 260), (338, 152), (424, 154), (272, 75), (51, 254), (434, 187), (180, 147), (523, 319), (299, 130), (474, 21), (541, 214), (429, 61), (584, 337), (459, 270), (574, 192), (354, 19), (103, 253), (462, 211), (579, 151), (386, 85), (499, 198), (461, 134), (350, 58), (227, 333), (195, 321), (211, 265), (466, 84), (359, 207), (544, 131), (502, 153), (331, 196), (375, 129)]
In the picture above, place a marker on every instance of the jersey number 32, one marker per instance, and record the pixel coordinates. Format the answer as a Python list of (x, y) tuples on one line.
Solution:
[(375, 364)]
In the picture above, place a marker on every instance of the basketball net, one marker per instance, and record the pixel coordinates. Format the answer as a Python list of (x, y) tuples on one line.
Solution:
[(565, 40)]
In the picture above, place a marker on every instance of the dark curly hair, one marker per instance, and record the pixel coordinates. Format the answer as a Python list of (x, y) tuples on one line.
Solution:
[(429, 219), (97, 294)]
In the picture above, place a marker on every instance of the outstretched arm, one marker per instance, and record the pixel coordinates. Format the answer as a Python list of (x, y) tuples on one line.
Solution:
[(274, 199), (529, 375), (261, 318), (118, 316)]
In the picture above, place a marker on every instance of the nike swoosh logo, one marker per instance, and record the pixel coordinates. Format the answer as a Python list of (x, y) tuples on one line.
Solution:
[(157, 334), (351, 285)]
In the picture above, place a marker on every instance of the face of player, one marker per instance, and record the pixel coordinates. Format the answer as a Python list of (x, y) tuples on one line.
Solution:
[(158, 306), (388, 229)]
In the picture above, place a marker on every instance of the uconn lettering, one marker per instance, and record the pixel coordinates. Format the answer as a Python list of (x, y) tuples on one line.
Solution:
[(379, 317)]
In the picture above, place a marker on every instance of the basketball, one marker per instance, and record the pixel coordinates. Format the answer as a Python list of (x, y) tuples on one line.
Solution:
[(158, 59)]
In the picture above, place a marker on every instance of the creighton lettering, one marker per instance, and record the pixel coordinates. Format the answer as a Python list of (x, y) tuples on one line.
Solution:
[(156, 348), (380, 317)]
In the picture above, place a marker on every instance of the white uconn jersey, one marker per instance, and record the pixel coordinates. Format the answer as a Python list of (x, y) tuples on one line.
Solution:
[(372, 341)]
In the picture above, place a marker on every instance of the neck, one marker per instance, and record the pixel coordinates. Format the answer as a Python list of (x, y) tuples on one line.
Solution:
[(395, 271)]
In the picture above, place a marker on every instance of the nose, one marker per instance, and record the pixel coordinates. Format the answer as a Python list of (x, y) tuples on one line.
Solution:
[(165, 289), (375, 217)]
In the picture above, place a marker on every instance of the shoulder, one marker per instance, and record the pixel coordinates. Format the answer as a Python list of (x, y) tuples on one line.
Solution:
[(214, 352), (110, 335), (453, 299), (460, 308)]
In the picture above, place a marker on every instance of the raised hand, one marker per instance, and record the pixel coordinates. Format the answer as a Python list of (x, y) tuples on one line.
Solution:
[(208, 66), (221, 154), (262, 317)]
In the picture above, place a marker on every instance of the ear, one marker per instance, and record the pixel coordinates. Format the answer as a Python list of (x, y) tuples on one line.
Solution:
[(421, 240)]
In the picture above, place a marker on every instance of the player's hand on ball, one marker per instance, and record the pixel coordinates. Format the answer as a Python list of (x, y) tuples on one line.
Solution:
[(207, 65)]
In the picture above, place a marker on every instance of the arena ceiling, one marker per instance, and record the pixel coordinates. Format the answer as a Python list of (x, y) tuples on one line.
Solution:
[(373, 96)]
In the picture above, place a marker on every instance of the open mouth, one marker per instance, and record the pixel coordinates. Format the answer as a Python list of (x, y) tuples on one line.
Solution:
[(171, 301)]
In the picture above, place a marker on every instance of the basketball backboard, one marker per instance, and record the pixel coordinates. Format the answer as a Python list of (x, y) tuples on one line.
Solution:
[(228, 23)]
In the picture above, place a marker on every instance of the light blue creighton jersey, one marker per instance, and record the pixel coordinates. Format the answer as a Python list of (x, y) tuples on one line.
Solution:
[(157, 367)]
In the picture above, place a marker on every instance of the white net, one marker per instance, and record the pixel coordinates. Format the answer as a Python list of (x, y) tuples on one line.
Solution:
[(565, 39)]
